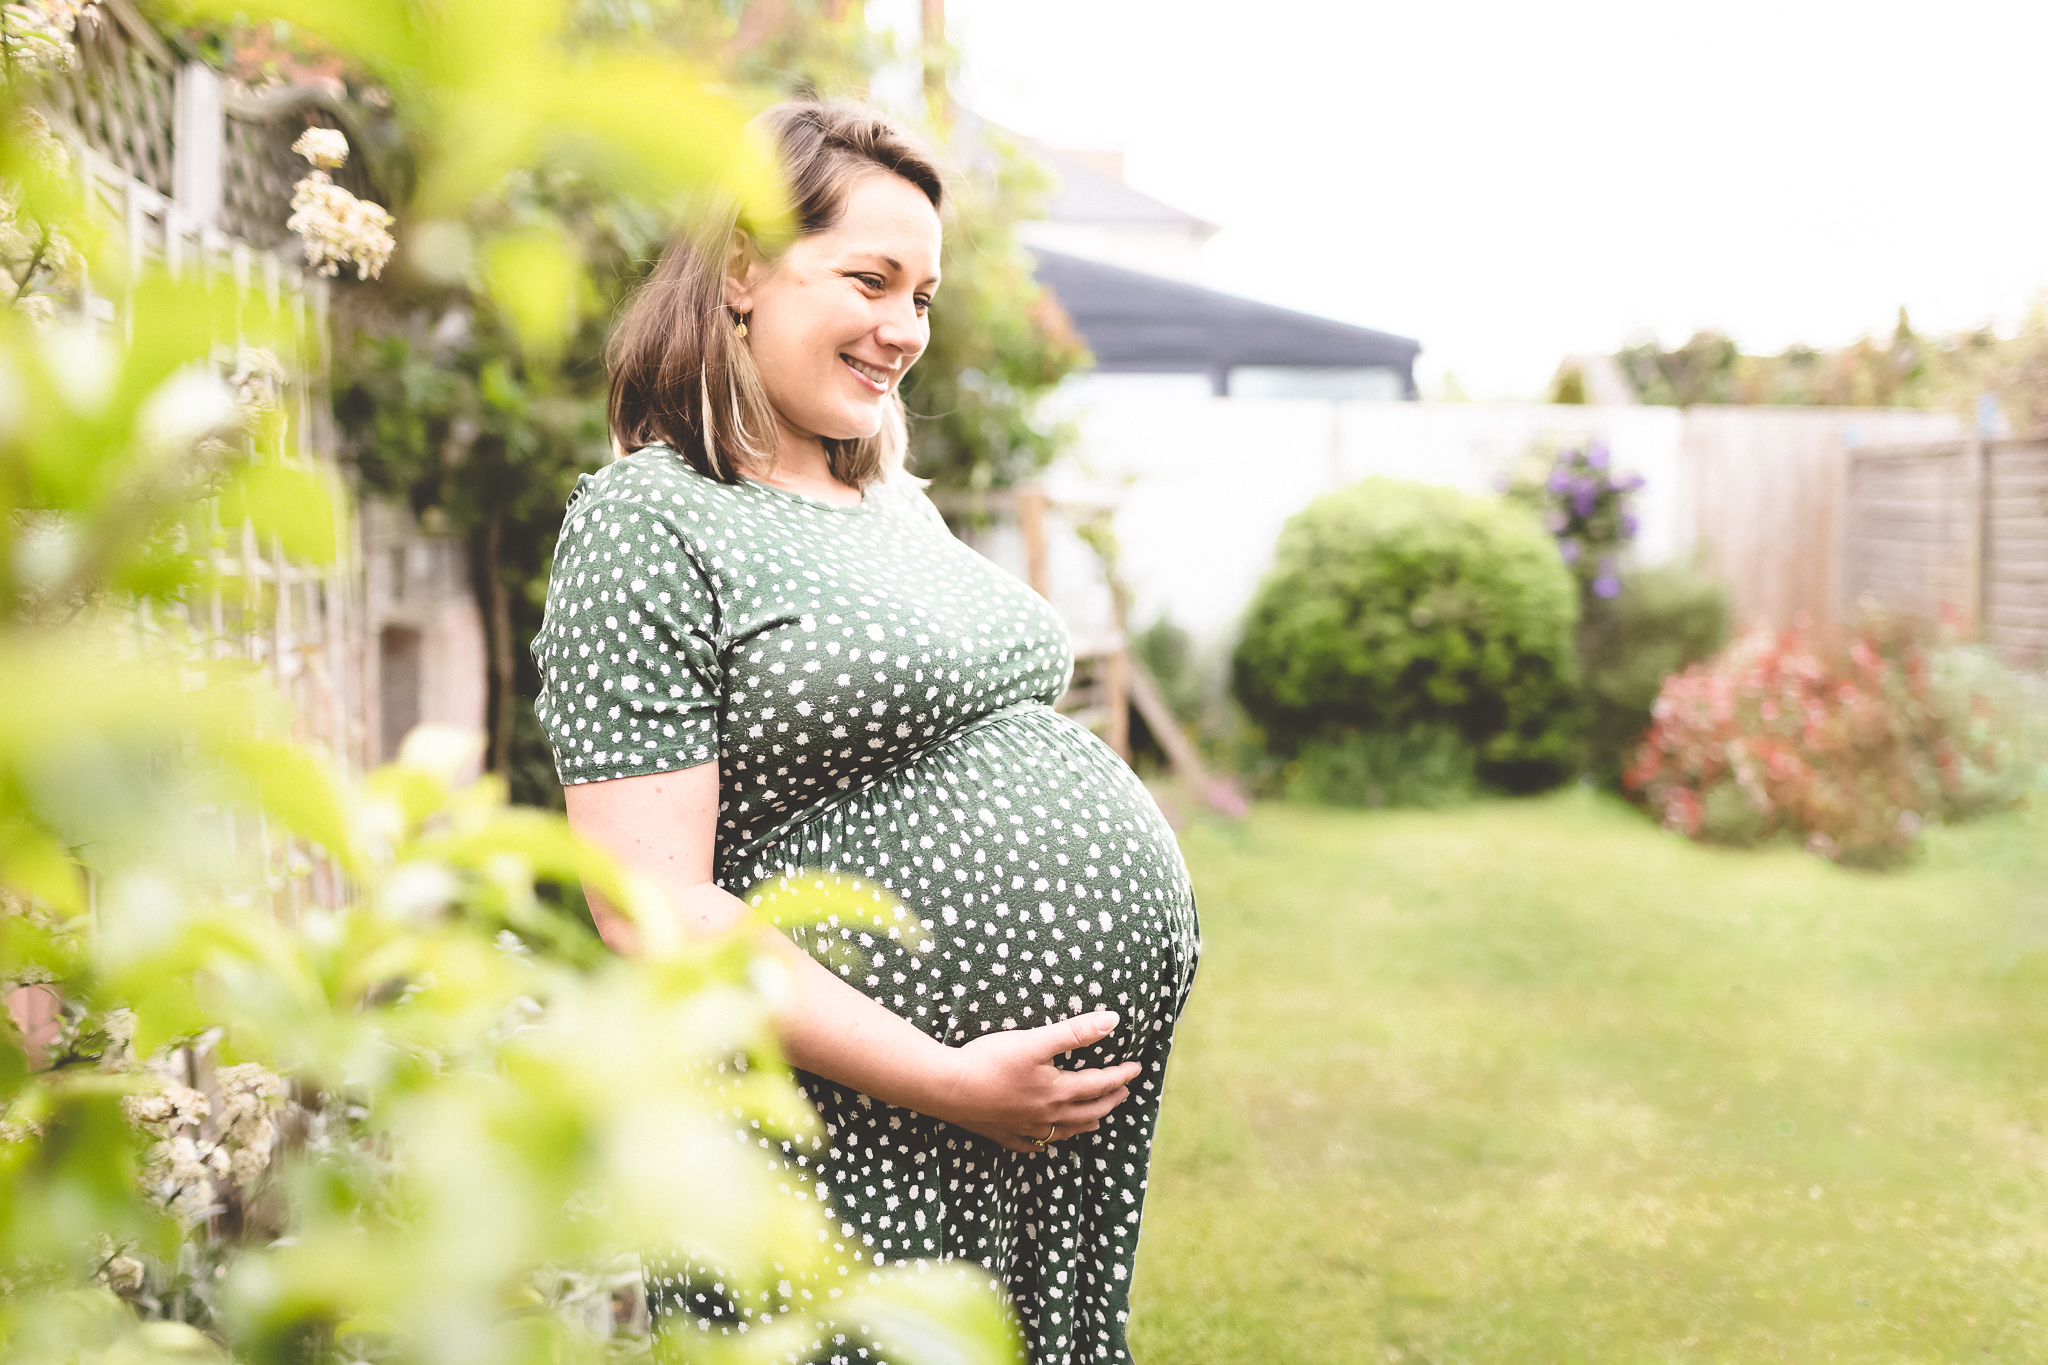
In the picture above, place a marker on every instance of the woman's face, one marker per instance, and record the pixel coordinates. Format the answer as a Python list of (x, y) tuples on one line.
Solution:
[(836, 321)]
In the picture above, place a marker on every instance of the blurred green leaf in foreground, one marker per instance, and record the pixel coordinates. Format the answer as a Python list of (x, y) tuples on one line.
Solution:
[(299, 1066)]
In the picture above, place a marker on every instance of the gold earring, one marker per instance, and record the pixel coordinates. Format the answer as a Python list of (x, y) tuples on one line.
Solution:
[(741, 331)]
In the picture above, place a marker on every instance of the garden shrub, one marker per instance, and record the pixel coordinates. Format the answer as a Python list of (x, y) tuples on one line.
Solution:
[(1397, 609), (1664, 620), (1852, 749), (1996, 723), (1427, 765)]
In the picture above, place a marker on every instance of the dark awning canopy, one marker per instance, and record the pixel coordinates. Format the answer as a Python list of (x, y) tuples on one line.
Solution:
[(1139, 323)]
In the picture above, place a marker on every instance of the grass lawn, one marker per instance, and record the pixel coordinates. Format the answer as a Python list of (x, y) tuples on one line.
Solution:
[(1535, 1081)]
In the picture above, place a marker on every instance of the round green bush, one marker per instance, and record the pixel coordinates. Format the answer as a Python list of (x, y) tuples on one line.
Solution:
[(1397, 609)]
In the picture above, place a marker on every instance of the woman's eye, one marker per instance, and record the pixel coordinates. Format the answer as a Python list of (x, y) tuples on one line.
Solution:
[(924, 302), (873, 282)]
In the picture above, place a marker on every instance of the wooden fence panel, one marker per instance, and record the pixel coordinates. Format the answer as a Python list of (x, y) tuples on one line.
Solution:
[(1909, 530), (1767, 488), (2016, 549), (1956, 531)]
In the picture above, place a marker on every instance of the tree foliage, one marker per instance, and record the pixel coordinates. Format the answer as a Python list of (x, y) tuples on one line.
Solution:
[(443, 410), (1904, 369), (1000, 341)]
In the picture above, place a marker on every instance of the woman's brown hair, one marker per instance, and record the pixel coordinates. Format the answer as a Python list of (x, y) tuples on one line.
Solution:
[(680, 376)]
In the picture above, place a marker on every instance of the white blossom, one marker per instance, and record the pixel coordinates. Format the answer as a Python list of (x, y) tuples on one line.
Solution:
[(338, 228), (37, 34), (326, 148), (417, 890), (39, 262), (119, 1026), (258, 380), (196, 1163), (193, 403), (120, 1272), (249, 1096)]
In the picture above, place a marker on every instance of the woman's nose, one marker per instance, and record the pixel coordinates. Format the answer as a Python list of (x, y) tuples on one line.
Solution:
[(901, 328)]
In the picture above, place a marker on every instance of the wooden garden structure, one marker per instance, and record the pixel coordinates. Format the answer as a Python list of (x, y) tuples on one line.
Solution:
[(1109, 682)]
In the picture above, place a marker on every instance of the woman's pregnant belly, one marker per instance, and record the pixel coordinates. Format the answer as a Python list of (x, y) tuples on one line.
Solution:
[(1032, 879)]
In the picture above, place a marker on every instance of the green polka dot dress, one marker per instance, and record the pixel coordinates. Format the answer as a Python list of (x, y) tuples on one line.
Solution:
[(879, 698)]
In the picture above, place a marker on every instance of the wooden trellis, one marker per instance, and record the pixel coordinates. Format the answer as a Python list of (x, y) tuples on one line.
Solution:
[(193, 178), (121, 99)]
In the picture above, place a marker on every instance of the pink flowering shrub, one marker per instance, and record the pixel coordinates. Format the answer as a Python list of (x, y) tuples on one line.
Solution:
[(1850, 748)]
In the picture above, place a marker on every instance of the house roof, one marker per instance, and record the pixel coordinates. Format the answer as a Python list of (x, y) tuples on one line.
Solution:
[(1087, 194), (1138, 323)]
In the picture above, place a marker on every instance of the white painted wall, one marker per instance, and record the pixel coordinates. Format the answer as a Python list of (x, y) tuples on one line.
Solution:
[(1206, 483)]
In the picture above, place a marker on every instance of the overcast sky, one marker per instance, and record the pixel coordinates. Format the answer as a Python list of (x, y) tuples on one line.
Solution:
[(1512, 182)]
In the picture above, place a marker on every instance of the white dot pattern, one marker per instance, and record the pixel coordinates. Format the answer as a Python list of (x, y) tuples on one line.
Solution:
[(878, 696)]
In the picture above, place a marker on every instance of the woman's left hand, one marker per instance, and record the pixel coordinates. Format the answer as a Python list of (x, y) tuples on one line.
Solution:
[(1008, 1088)]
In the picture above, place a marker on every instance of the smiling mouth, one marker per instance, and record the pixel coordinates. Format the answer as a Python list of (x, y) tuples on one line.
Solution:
[(873, 376)]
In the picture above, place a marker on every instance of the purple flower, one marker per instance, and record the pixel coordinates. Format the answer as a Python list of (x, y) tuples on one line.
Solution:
[(1631, 483), (1559, 480), (1607, 585), (1630, 524), (1597, 456), (1570, 549), (1583, 497)]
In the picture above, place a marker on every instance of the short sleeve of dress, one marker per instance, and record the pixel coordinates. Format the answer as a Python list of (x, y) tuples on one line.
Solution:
[(629, 651)]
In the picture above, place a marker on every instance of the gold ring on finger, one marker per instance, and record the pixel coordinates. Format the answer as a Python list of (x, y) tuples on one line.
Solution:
[(1049, 1131)]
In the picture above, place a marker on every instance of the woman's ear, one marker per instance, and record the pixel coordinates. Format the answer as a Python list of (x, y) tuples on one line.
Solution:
[(742, 271)]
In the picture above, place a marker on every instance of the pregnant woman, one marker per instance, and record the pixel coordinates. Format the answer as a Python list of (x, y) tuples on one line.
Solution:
[(763, 652)]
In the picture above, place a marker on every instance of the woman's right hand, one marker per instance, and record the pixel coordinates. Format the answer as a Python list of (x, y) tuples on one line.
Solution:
[(1005, 1087)]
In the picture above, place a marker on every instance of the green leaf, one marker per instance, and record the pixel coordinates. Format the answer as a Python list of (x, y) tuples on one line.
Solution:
[(31, 949), (165, 1005), (297, 787), (392, 37), (76, 1182), (532, 274), (34, 863), (165, 1343), (652, 120), (950, 1314), (542, 838), (14, 1068), (291, 504)]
